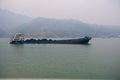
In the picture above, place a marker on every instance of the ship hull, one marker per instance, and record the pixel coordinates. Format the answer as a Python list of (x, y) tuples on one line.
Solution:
[(83, 40)]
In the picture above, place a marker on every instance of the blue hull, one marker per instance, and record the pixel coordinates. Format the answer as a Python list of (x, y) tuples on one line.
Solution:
[(83, 40)]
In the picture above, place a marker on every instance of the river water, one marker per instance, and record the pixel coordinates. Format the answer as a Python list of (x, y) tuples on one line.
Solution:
[(98, 60)]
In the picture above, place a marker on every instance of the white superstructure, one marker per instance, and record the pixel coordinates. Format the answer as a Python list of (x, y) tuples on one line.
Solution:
[(18, 37)]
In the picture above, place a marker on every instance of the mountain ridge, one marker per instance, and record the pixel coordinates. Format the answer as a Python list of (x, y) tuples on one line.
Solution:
[(66, 28), (10, 20), (11, 23)]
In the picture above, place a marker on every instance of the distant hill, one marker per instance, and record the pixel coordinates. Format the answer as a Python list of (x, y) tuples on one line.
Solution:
[(11, 23), (44, 27), (2, 33), (106, 31), (10, 20)]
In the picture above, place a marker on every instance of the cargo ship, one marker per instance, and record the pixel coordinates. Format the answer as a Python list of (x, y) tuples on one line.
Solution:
[(18, 38)]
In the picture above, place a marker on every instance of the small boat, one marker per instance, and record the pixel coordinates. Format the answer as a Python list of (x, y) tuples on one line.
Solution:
[(18, 38)]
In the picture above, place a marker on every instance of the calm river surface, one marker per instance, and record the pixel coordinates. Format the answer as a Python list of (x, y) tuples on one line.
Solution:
[(99, 60)]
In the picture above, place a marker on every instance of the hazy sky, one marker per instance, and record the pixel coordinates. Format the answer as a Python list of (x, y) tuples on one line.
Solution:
[(89, 11)]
